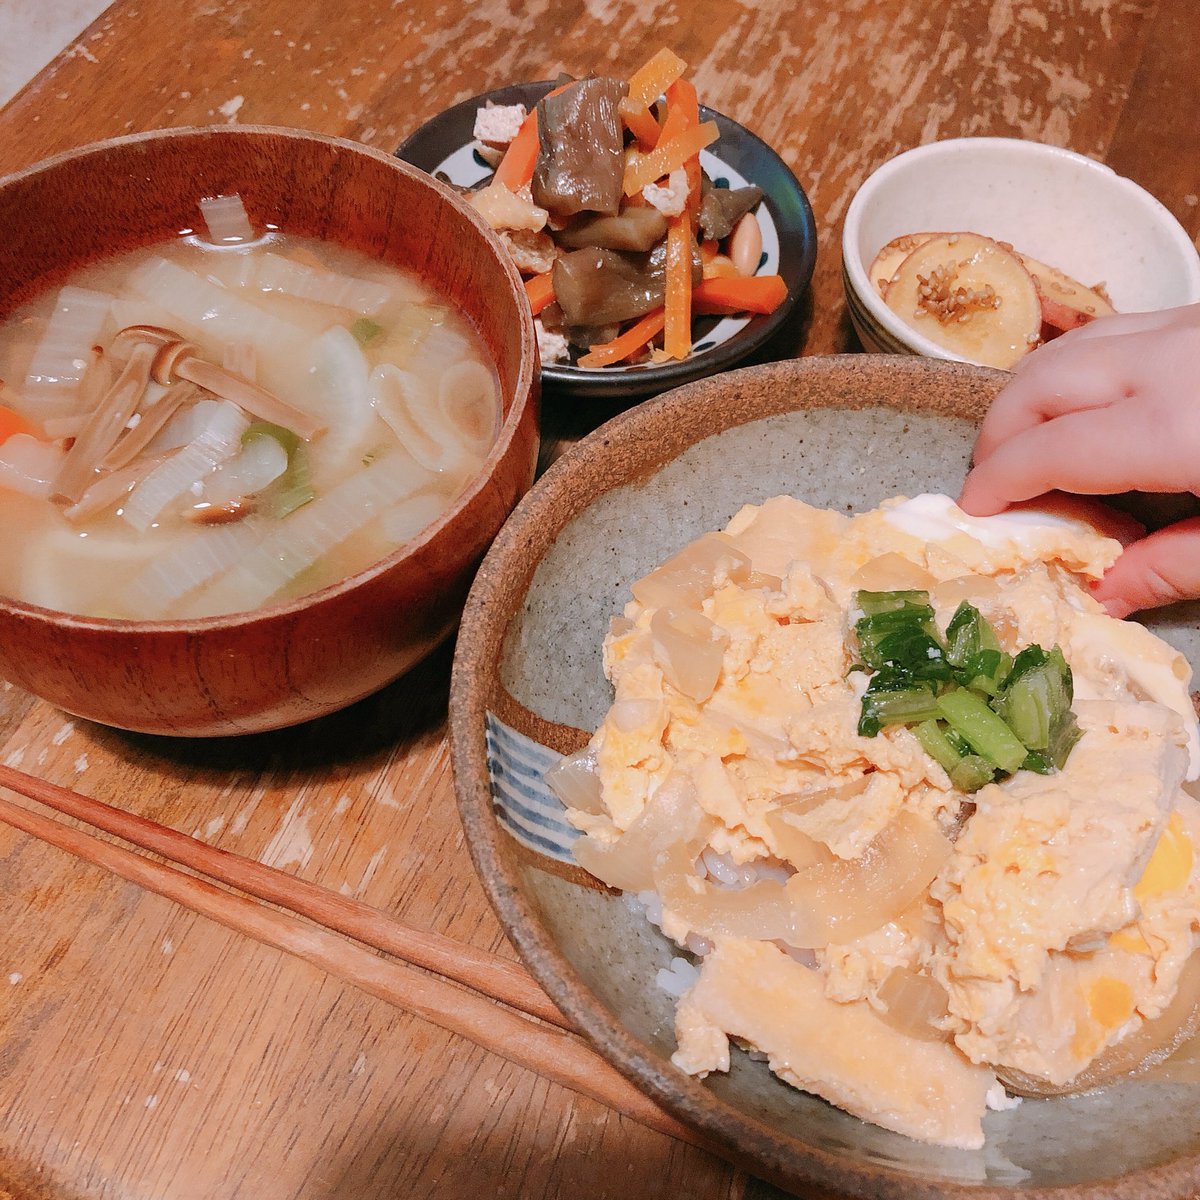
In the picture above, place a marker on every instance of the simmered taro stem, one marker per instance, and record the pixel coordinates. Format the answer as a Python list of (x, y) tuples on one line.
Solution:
[(101, 430)]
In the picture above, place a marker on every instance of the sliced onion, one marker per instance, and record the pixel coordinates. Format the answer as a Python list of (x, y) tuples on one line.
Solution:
[(791, 842), (470, 405), (794, 846), (185, 426), (891, 573), (338, 395), (762, 910), (574, 781), (913, 1004), (190, 564), (830, 903), (205, 307), (409, 406), (670, 815), (843, 900), (686, 578), (690, 650), (975, 589), (304, 537), (226, 219), (404, 521), (112, 487), (262, 460)]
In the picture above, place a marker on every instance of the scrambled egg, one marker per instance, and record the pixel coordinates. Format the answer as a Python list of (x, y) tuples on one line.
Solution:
[(820, 875)]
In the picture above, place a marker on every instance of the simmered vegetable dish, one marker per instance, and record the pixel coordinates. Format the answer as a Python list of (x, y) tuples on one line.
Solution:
[(600, 197)]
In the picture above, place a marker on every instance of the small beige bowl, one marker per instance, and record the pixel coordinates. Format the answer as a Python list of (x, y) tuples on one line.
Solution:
[(528, 683), (1057, 206)]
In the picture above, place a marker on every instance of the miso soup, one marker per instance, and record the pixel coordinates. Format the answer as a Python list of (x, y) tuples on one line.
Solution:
[(227, 421)]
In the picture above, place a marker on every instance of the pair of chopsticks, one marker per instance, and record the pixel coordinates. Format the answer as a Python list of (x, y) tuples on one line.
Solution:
[(544, 1044)]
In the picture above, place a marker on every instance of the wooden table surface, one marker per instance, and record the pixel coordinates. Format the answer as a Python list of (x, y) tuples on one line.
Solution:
[(146, 1053)]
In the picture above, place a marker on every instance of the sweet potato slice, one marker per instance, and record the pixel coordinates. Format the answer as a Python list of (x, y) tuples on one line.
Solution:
[(888, 260), (1066, 303), (971, 296)]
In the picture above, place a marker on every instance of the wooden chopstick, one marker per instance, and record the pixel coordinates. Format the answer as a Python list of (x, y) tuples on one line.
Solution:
[(552, 1053), (477, 969)]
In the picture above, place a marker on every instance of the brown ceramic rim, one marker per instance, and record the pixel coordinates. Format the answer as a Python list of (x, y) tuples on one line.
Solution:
[(525, 389), (654, 433)]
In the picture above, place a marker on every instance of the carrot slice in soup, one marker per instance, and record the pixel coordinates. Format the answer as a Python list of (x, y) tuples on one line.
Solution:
[(12, 422)]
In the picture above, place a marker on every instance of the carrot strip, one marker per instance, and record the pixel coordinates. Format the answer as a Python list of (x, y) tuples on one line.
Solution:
[(667, 155), (640, 121), (540, 290), (516, 167), (653, 78), (677, 339), (629, 342), (523, 150), (12, 422), (678, 119), (681, 96), (708, 250), (757, 294)]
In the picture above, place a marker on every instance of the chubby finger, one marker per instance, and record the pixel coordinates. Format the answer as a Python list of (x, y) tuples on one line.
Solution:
[(1045, 390), (1160, 569), (1093, 453)]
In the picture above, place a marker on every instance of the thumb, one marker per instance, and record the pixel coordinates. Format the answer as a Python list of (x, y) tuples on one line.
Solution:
[(1159, 569)]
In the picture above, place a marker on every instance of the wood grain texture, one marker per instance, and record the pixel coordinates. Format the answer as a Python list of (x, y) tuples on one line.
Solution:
[(146, 1053)]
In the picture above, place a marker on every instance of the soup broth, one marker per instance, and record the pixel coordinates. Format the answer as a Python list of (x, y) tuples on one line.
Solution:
[(226, 421)]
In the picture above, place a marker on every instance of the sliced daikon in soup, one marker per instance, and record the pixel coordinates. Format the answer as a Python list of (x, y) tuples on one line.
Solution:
[(337, 393)]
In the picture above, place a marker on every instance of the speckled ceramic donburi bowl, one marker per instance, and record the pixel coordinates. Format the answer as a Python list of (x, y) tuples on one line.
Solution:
[(838, 432)]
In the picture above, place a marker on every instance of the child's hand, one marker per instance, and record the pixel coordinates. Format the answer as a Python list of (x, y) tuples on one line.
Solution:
[(1108, 408)]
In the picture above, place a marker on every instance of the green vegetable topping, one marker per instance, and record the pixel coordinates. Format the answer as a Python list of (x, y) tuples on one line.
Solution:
[(293, 489), (975, 709), (365, 330)]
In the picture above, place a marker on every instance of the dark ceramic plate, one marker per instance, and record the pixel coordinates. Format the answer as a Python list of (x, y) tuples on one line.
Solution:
[(444, 146)]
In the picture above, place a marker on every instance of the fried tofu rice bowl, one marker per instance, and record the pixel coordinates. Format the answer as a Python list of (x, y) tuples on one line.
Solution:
[(919, 887)]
